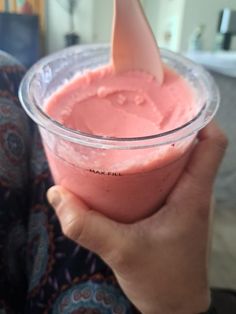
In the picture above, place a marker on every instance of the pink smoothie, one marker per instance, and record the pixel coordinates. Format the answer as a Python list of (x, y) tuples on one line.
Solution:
[(126, 185)]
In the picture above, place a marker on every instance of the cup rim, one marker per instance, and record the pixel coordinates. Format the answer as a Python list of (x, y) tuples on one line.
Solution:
[(204, 116)]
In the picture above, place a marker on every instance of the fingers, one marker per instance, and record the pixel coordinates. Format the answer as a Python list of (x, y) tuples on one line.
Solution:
[(191, 197), (86, 227), (207, 155)]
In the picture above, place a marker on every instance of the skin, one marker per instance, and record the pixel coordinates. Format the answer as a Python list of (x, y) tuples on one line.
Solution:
[(168, 252)]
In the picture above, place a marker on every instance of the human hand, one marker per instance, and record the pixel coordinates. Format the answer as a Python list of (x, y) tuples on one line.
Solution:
[(161, 263)]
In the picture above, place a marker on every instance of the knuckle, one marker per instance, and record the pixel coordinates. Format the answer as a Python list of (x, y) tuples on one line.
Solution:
[(115, 258), (66, 230), (121, 258), (69, 228), (83, 234), (68, 222)]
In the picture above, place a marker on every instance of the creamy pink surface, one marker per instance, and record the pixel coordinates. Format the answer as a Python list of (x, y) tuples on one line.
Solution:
[(130, 104), (126, 185)]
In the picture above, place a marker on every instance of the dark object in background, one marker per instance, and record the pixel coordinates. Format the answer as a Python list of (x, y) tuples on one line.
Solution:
[(72, 39), (227, 27), (20, 36), (224, 301), (70, 6)]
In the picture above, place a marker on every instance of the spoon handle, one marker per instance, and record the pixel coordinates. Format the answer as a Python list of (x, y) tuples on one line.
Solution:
[(133, 44)]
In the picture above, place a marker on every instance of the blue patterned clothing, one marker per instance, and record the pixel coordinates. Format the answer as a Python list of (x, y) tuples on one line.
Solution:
[(41, 271)]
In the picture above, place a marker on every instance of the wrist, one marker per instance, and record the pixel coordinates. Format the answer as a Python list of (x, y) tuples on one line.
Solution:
[(198, 304), (182, 310), (211, 310)]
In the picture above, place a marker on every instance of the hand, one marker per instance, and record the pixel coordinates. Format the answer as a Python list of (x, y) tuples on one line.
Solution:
[(161, 263)]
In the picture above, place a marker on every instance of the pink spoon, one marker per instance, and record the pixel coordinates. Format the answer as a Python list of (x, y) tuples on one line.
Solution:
[(133, 44)]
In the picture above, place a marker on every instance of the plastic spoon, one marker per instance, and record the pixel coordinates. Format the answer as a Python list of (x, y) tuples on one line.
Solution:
[(133, 44)]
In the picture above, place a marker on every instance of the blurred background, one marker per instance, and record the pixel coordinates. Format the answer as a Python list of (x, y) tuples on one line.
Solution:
[(204, 30), (45, 26)]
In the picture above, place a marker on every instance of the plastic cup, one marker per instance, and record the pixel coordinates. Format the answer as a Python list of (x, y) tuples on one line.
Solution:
[(135, 188)]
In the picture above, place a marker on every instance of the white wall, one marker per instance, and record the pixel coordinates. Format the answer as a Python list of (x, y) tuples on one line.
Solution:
[(102, 23), (58, 23), (169, 20), (203, 12), (151, 9), (103, 14), (93, 21)]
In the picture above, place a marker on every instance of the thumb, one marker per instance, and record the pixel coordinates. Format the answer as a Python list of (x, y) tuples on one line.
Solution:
[(85, 226)]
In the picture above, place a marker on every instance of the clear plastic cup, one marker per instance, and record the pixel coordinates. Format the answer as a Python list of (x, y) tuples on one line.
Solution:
[(135, 188)]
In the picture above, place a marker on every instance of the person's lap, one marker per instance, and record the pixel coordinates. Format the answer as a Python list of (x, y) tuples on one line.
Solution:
[(41, 270)]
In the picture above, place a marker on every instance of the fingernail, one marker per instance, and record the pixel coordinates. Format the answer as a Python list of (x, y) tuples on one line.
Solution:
[(54, 197)]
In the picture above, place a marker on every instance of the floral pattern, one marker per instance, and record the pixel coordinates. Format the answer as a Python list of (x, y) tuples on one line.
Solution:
[(41, 271)]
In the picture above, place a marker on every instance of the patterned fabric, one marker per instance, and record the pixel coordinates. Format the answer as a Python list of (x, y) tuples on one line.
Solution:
[(41, 271)]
